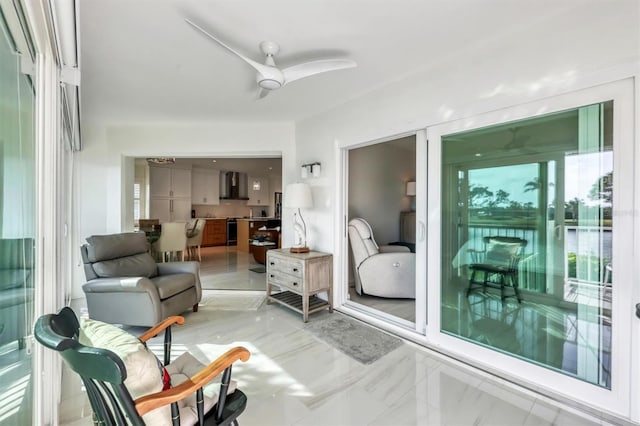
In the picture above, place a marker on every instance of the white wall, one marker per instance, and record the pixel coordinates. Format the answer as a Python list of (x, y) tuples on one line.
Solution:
[(106, 170), (377, 177), (590, 44)]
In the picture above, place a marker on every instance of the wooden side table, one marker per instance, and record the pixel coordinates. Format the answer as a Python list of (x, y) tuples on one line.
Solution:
[(300, 276)]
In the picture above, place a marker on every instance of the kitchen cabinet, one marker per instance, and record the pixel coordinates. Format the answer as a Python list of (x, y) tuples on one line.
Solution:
[(214, 233), (205, 186), (246, 228), (258, 190), (170, 209), (169, 194), (169, 182)]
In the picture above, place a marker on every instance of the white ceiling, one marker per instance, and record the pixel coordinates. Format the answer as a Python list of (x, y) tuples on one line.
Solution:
[(141, 62)]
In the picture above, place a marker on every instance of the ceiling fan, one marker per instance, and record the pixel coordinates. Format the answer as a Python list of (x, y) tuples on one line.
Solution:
[(269, 76), (516, 142)]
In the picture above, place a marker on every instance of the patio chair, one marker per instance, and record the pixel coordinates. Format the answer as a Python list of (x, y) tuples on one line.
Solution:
[(498, 265), (127, 385)]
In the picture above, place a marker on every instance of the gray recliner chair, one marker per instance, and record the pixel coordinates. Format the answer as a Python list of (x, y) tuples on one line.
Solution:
[(126, 286), (383, 271)]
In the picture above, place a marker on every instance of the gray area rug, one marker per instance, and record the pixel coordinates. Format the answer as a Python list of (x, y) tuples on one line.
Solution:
[(360, 341)]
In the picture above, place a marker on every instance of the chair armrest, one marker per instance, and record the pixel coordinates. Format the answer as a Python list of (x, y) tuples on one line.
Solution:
[(156, 329), (152, 401), (178, 267), (394, 259), (394, 249), (120, 284)]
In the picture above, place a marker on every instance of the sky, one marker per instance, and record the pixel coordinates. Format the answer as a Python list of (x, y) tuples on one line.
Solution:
[(581, 172)]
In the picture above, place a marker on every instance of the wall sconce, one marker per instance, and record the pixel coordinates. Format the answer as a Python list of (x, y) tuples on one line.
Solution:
[(411, 189), (312, 169)]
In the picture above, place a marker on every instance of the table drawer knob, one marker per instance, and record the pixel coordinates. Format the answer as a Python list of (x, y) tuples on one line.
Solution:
[(295, 284), (271, 263), (295, 269), (271, 276)]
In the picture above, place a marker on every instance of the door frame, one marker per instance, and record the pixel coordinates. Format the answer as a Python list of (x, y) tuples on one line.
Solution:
[(412, 331), (625, 331)]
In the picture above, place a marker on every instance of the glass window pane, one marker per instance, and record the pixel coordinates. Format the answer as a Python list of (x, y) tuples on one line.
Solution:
[(527, 238), (17, 236)]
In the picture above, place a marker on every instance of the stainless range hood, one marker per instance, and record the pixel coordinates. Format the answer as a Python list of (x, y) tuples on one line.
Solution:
[(233, 186)]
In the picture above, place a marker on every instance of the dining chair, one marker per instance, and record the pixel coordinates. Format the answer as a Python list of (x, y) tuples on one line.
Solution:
[(194, 239), (173, 239)]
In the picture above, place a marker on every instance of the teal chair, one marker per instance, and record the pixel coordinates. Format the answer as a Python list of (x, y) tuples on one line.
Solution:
[(104, 373)]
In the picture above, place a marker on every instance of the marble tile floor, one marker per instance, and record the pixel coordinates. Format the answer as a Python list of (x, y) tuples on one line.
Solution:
[(225, 268), (294, 378), (401, 308)]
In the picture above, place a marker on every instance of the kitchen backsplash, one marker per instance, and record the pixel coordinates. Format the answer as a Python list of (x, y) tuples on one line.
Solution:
[(229, 208)]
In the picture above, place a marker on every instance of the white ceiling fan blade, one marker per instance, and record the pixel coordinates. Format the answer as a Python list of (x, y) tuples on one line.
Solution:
[(266, 70), (308, 69), (262, 93)]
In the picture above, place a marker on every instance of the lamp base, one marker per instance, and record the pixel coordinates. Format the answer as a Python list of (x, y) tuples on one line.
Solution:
[(299, 250)]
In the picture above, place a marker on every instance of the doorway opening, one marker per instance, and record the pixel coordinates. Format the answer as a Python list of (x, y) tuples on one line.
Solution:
[(381, 230)]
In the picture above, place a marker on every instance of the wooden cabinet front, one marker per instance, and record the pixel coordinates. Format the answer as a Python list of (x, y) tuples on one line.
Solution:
[(246, 229), (215, 233)]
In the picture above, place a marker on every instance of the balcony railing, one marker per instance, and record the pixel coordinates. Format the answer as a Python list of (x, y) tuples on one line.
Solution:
[(587, 252)]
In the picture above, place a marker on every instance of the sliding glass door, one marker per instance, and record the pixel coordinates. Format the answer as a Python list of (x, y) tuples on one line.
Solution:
[(381, 211), (17, 233), (529, 269)]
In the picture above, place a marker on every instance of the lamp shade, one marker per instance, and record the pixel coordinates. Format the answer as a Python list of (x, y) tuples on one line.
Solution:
[(411, 189), (298, 196)]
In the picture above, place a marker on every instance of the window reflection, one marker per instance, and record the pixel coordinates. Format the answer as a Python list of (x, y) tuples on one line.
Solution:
[(527, 239), (17, 232)]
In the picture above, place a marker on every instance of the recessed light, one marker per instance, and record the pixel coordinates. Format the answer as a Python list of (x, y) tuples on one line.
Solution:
[(270, 168), (478, 154), (215, 161)]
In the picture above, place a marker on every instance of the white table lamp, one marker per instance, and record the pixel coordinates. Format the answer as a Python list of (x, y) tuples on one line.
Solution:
[(298, 196)]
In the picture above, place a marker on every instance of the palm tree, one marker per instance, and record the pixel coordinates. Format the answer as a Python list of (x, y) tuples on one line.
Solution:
[(574, 206), (532, 185)]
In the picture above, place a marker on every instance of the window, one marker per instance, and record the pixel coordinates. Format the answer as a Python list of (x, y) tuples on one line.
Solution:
[(136, 201), (527, 232)]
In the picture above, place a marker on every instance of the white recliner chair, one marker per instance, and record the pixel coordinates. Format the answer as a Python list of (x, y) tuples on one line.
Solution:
[(384, 271)]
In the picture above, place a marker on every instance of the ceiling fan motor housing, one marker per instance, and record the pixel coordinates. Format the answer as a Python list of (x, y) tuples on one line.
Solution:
[(267, 83)]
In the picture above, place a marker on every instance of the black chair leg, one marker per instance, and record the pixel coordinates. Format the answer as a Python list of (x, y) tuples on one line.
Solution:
[(471, 282), (514, 283)]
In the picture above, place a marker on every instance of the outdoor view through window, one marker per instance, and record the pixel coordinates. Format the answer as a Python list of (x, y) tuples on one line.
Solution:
[(527, 239)]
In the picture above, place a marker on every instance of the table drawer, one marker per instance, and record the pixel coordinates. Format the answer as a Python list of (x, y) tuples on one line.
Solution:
[(286, 281), (285, 266)]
